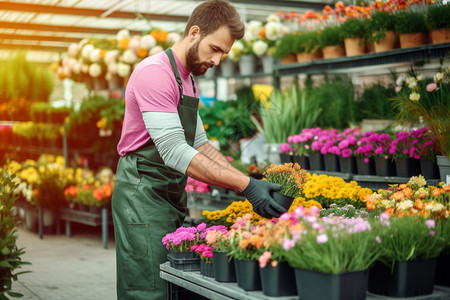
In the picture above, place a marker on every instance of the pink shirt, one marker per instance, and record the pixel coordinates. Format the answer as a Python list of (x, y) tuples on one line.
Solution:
[(152, 87)]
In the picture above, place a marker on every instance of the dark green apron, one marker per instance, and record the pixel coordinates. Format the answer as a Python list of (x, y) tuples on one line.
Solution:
[(149, 201)]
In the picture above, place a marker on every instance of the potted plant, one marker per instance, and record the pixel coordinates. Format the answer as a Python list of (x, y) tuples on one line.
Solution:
[(284, 49), (224, 270), (437, 21), (411, 28), (420, 98), (291, 178), (355, 33), (408, 248), (206, 261), (330, 255), (382, 28), (306, 46), (331, 42)]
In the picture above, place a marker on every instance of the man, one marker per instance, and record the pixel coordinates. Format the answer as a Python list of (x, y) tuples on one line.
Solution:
[(163, 141)]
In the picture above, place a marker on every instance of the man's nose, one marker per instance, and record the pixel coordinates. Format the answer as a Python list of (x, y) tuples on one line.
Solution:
[(216, 58)]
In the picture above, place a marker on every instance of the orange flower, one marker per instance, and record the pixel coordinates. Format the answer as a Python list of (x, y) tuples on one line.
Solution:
[(142, 52), (418, 203), (398, 195), (408, 192), (243, 244), (54, 67), (370, 205), (327, 8), (389, 211), (262, 33), (159, 35), (402, 186), (446, 187), (436, 192), (123, 44)]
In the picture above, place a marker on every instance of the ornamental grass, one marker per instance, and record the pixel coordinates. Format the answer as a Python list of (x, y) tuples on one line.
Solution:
[(329, 189)]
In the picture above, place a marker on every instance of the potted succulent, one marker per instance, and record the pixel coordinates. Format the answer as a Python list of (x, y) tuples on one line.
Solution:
[(306, 46), (382, 28), (411, 28), (437, 21), (355, 34), (331, 42)]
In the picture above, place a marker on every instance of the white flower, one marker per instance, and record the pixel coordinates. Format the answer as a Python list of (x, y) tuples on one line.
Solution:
[(274, 31), (411, 82), (434, 206), (84, 68), (95, 70), (155, 50), (112, 68), (148, 42), (123, 70), (173, 37), (111, 57), (236, 50), (438, 77), (400, 80), (95, 55), (77, 67), (404, 205), (73, 49), (259, 47), (387, 203), (273, 18), (86, 51), (414, 96), (135, 43), (252, 29), (129, 57), (419, 77), (122, 34)]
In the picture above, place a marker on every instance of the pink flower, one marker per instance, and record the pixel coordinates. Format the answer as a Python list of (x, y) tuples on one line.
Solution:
[(430, 224), (288, 244), (284, 147), (377, 238), (264, 259), (398, 89), (432, 87), (321, 239)]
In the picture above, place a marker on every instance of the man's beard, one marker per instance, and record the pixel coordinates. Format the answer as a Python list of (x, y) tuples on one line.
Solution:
[(194, 65)]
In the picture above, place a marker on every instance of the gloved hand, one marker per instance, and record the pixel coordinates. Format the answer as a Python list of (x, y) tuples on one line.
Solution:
[(258, 193)]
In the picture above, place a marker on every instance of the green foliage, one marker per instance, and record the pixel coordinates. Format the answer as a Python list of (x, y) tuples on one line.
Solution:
[(347, 211), (10, 254), (331, 36), (438, 16), (22, 79), (355, 28), (408, 238), (287, 114), (306, 42), (285, 45), (380, 23), (410, 22), (375, 103), (336, 98)]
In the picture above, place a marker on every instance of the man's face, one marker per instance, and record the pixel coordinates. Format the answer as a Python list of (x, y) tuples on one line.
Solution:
[(206, 51)]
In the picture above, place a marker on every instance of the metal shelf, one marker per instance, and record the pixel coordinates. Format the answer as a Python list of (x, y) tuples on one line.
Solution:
[(422, 53)]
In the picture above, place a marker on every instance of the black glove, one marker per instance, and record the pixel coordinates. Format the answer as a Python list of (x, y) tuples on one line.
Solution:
[(258, 193)]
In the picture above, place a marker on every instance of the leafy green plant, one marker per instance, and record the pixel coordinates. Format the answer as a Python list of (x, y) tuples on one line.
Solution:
[(375, 103), (306, 42), (10, 254), (438, 16), (381, 22), (355, 28), (331, 36), (286, 114), (410, 22), (336, 98), (285, 45)]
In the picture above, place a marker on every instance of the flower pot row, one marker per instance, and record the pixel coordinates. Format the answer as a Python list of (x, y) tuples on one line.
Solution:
[(407, 278), (378, 166)]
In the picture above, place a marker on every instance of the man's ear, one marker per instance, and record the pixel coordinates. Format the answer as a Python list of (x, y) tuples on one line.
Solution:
[(194, 33)]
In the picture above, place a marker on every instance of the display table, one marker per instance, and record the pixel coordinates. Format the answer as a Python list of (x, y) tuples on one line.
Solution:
[(211, 289)]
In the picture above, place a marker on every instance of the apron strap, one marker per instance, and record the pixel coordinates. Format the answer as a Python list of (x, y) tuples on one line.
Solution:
[(177, 74)]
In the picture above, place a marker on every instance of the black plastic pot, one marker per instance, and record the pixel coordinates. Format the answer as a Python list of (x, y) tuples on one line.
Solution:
[(278, 281)]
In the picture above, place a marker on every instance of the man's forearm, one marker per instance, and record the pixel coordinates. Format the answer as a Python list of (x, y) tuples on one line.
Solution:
[(209, 171), (209, 151)]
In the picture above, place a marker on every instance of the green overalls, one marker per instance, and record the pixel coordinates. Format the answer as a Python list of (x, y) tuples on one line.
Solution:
[(149, 201)]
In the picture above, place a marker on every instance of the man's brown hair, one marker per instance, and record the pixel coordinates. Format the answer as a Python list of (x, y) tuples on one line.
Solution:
[(213, 14)]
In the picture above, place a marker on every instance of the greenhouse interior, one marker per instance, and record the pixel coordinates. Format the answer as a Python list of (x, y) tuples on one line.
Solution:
[(225, 149)]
